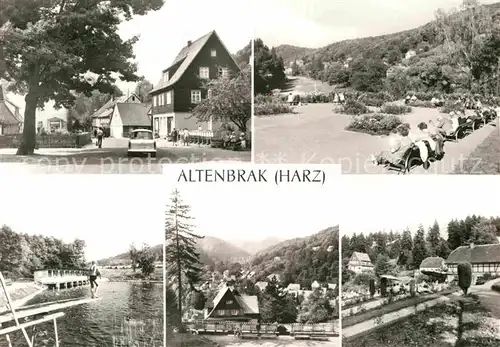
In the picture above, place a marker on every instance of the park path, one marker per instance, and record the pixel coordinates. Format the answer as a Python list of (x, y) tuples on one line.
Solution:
[(316, 135), (389, 318)]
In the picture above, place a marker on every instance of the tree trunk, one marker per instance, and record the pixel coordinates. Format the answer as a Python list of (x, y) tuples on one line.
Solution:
[(28, 139)]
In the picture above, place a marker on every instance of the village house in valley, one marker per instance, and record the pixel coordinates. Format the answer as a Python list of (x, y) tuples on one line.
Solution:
[(11, 121), (183, 84), (123, 114), (230, 305), (360, 262), (485, 259)]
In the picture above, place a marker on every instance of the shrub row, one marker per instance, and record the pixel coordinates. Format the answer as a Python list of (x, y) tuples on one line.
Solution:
[(267, 105), (374, 124), (422, 103), (354, 108), (395, 109)]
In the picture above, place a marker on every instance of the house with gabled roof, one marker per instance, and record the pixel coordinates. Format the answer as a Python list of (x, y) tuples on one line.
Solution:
[(360, 262), (262, 285), (127, 117), (483, 259), (102, 117), (230, 305), (433, 265), (11, 121), (183, 84)]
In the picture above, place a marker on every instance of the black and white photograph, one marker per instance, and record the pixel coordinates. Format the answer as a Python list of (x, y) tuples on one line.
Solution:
[(251, 264), (80, 269), (421, 270), (378, 86), (124, 86)]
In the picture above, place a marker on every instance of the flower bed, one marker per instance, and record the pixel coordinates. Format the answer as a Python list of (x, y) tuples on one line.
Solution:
[(374, 124), (395, 109), (49, 141), (268, 105), (354, 108)]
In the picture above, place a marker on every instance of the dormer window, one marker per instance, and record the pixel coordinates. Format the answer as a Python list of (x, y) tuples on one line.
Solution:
[(165, 77), (204, 72), (213, 53)]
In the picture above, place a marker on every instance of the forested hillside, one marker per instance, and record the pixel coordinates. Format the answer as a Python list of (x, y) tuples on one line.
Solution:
[(301, 260), (457, 52)]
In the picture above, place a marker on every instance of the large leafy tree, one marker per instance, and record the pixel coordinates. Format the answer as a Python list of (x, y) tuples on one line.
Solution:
[(230, 100), (180, 242), (269, 71), (52, 49)]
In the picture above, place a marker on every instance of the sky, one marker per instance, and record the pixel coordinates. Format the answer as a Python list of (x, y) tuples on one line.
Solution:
[(378, 202), (108, 212), (165, 32), (254, 212), (317, 23)]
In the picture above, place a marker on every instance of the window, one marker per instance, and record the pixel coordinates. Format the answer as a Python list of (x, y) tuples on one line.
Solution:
[(209, 93), (169, 97), (221, 312), (162, 99), (204, 72), (229, 302), (223, 72), (165, 77), (195, 96), (213, 53), (234, 312), (154, 101)]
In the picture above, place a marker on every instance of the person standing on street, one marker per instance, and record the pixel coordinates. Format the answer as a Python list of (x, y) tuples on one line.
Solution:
[(100, 135), (93, 273)]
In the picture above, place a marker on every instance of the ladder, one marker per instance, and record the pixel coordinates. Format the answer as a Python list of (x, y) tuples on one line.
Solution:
[(22, 326)]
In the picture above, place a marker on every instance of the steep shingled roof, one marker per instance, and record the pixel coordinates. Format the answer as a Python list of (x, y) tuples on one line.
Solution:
[(432, 263), (362, 256), (134, 114), (185, 57), (476, 254), (111, 104)]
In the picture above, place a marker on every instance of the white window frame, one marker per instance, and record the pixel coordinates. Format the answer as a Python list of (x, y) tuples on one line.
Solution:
[(155, 101), (235, 312), (195, 96), (213, 53), (229, 302), (209, 93), (220, 71), (204, 72), (169, 97), (165, 77), (225, 72)]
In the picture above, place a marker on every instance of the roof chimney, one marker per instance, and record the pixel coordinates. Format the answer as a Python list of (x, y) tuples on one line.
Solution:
[(189, 43)]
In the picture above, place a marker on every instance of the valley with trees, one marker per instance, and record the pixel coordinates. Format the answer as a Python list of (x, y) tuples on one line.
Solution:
[(293, 281), (452, 57)]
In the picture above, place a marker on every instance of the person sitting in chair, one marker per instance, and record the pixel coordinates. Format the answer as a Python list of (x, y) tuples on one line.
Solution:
[(399, 143), (434, 138)]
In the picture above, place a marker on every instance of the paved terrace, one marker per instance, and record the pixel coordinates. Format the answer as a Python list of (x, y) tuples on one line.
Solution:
[(316, 135)]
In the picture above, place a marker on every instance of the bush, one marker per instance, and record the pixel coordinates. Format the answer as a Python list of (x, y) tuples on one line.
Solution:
[(464, 276), (267, 105), (496, 287), (395, 109), (422, 103), (314, 98), (376, 124), (363, 279), (353, 107), (450, 106)]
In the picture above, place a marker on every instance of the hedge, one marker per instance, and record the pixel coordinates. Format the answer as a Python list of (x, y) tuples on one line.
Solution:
[(268, 105), (49, 141), (395, 109), (374, 124), (353, 107)]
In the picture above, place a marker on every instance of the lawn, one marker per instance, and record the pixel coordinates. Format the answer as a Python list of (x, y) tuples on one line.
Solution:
[(460, 322), (485, 159)]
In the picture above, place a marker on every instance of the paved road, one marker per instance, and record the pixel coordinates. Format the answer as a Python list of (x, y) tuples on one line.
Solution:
[(489, 298), (316, 135), (112, 158)]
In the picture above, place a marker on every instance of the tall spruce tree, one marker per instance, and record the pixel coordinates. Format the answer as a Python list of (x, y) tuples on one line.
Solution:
[(406, 248), (419, 252), (180, 254), (434, 239)]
